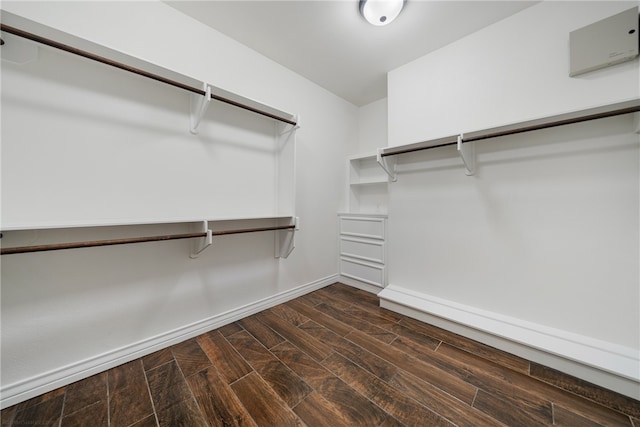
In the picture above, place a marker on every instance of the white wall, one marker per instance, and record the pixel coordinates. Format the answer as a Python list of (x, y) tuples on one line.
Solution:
[(372, 126), (515, 70), (547, 232), (69, 313)]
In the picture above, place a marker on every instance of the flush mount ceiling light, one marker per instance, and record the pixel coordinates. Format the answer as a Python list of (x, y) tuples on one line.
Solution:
[(381, 12)]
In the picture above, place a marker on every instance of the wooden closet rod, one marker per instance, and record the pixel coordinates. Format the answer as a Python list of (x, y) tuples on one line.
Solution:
[(124, 241), (611, 110), (125, 67)]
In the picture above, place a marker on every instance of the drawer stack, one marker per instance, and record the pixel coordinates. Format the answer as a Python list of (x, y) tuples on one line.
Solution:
[(363, 248)]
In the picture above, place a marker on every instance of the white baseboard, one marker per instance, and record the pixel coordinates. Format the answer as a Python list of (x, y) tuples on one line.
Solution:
[(37, 385), (606, 364), (359, 284)]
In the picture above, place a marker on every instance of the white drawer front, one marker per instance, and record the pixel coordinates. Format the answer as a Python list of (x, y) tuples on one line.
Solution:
[(370, 250), (366, 227), (368, 273)]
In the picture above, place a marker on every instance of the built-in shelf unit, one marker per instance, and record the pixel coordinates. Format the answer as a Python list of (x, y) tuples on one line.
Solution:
[(362, 229), (367, 185)]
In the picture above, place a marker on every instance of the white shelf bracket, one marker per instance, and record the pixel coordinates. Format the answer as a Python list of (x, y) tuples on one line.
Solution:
[(198, 246), (636, 122), (468, 154), (199, 105), (285, 240), (292, 128), (388, 166)]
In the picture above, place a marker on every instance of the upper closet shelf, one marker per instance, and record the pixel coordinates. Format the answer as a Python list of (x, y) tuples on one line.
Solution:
[(147, 221), (202, 93), (465, 142)]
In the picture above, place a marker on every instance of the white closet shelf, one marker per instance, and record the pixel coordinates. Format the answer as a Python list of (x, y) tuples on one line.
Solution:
[(372, 181), (19, 27), (464, 139), (285, 228), (149, 221)]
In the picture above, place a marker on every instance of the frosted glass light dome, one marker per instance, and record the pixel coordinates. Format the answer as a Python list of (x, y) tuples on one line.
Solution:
[(381, 12)]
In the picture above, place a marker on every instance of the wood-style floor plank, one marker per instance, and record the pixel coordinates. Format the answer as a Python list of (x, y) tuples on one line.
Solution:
[(455, 410), (325, 296), (289, 386), (167, 385), (477, 372), (220, 406), (352, 295), (230, 329), (185, 413), (441, 378), (292, 316), (190, 357), (263, 404), (357, 323), (368, 360), (317, 411), (150, 421), (565, 418), (267, 336), (312, 347), (86, 392), (157, 358), (95, 414), (510, 413), (353, 406), (319, 317), (597, 394), (524, 391), (392, 401), (46, 413), (129, 400), (505, 359), (334, 358), (230, 364)]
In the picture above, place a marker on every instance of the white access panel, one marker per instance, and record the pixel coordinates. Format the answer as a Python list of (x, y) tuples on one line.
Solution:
[(604, 43)]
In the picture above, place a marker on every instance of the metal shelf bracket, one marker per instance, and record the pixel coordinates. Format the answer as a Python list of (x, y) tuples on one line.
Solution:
[(468, 155), (198, 246), (199, 105), (388, 165)]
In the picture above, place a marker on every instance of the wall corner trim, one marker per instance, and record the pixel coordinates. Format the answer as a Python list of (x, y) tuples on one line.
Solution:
[(45, 382), (609, 365)]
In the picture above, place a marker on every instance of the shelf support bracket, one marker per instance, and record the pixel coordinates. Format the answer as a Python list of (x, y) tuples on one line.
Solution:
[(199, 105), (292, 128), (468, 155), (198, 246), (285, 240), (388, 166)]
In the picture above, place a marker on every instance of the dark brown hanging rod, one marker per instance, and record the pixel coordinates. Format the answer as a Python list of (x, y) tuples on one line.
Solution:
[(124, 241), (125, 67), (528, 126)]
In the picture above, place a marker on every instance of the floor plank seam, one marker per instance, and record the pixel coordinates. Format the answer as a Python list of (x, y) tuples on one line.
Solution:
[(153, 404)]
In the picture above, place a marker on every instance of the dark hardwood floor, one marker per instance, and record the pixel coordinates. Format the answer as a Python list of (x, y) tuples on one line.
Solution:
[(330, 358)]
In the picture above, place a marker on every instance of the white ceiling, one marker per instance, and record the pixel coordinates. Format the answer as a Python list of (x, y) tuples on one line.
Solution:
[(328, 42)]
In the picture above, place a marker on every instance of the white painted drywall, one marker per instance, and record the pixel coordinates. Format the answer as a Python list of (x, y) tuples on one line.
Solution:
[(514, 70), (66, 310), (372, 126), (548, 229), (104, 146)]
